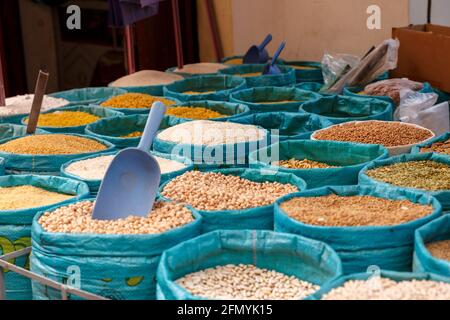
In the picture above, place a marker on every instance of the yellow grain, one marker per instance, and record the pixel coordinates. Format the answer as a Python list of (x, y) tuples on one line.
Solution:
[(194, 113), (65, 119), (135, 101), (24, 197), (134, 134)]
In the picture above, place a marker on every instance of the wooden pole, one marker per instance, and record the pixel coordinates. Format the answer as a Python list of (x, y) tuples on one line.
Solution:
[(41, 86), (177, 30), (129, 47), (214, 30)]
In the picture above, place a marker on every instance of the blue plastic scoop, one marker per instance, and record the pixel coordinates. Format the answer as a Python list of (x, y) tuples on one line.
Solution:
[(258, 54), (132, 180), (271, 67)]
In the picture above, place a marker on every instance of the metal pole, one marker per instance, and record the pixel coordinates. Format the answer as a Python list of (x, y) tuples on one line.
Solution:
[(177, 30), (129, 45)]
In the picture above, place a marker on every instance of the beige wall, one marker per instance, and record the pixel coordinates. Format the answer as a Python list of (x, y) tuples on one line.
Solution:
[(310, 27)]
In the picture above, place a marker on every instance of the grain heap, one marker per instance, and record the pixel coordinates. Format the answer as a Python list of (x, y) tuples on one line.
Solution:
[(235, 61), (76, 218), (60, 119), (388, 134), (424, 175), (249, 75), (387, 289), (135, 101), (204, 132), (353, 211), (302, 164), (95, 168), (22, 104), (194, 113), (146, 78), (27, 196), (211, 191), (440, 249), (135, 134), (202, 68), (245, 282), (51, 144), (438, 147), (198, 92)]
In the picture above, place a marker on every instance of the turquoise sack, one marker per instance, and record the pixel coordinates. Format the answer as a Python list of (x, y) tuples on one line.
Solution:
[(15, 130), (92, 109), (216, 88), (260, 218), (348, 158), (442, 138), (286, 78), (436, 230), (86, 96), (15, 226), (340, 109), (306, 259), (388, 247), (45, 164), (307, 71), (442, 196), (286, 125), (273, 99), (119, 267), (310, 86)]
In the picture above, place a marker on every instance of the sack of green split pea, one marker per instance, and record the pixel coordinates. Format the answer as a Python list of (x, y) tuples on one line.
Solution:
[(114, 259), (21, 197), (312, 262), (232, 199), (338, 216)]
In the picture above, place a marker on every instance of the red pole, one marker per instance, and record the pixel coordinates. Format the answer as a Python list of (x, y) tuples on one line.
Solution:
[(129, 45), (177, 29)]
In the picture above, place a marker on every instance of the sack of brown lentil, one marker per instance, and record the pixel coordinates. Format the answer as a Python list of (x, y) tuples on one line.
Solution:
[(427, 172), (232, 199), (307, 71), (432, 247), (207, 110), (273, 99), (319, 163), (72, 119), (285, 125), (340, 109), (86, 96), (216, 88), (21, 197), (378, 284), (440, 145), (114, 259), (365, 225), (46, 153), (246, 265), (92, 169), (253, 75)]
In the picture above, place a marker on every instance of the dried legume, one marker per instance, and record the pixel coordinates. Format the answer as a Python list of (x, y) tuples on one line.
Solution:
[(77, 218), (202, 68), (65, 119), (386, 289), (198, 92), (194, 113), (211, 191), (235, 61), (438, 147), (353, 211), (204, 132), (51, 144), (302, 164), (389, 134), (425, 175), (250, 74), (135, 134), (439, 249), (24, 197), (135, 101), (245, 282), (95, 168)]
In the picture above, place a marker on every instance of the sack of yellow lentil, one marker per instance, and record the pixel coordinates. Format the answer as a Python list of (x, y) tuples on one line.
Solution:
[(252, 73), (285, 125), (274, 99), (46, 153), (319, 163), (86, 96), (291, 255), (427, 172), (361, 239), (216, 88), (72, 119), (21, 197), (115, 264), (306, 71), (135, 103)]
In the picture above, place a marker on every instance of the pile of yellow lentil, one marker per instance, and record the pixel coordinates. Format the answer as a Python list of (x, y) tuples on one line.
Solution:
[(135, 101), (135, 134), (27, 196), (194, 113), (250, 74), (51, 144), (60, 119)]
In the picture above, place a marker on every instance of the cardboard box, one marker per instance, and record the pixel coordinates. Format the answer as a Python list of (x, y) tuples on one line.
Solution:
[(424, 54)]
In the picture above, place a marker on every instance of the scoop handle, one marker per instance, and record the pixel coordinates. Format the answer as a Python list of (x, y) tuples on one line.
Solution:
[(155, 117), (278, 52), (265, 42)]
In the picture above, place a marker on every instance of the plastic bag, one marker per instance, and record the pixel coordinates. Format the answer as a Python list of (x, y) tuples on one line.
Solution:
[(333, 65)]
